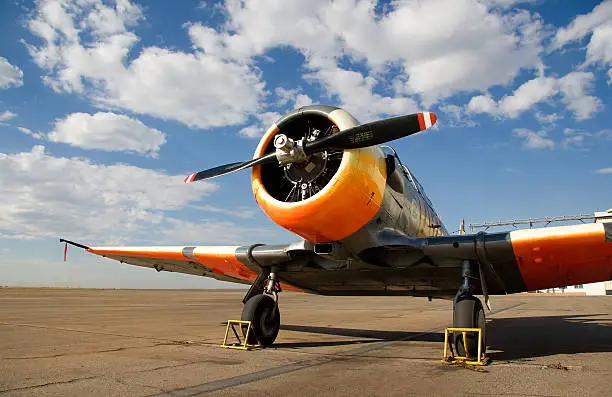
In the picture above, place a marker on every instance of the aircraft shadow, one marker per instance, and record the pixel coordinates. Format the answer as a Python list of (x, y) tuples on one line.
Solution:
[(530, 337), (366, 335), (519, 338)]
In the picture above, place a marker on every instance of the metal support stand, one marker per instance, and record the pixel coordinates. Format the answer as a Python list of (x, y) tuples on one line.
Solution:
[(451, 358), (245, 329)]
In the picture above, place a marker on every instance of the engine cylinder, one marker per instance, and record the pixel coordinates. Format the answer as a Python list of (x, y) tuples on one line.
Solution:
[(352, 193)]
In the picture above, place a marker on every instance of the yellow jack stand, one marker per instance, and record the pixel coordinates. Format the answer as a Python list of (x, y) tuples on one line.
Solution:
[(452, 359), (243, 343)]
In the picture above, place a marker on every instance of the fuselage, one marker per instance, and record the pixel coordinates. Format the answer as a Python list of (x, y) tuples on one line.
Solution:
[(350, 205)]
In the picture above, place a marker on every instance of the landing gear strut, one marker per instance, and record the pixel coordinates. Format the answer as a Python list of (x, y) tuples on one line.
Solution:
[(468, 313), (263, 312)]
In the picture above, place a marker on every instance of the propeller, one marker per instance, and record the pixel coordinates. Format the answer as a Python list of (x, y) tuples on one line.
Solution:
[(364, 135)]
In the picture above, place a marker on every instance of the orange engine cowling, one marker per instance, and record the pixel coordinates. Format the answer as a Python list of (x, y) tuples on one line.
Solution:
[(331, 195)]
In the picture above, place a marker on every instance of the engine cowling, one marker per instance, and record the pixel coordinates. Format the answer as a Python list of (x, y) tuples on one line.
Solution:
[(332, 194)]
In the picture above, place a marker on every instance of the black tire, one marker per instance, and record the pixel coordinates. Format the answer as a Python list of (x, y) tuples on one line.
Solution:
[(262, 311), (469, 313)]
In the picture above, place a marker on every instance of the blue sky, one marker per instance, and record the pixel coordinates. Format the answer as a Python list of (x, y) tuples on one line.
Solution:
[(105, 106)]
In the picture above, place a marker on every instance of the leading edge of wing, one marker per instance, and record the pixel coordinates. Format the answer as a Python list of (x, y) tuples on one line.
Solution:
[(220, 260)]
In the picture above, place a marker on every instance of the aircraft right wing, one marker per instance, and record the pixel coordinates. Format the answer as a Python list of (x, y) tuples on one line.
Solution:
[(520, 260), (238, 264)]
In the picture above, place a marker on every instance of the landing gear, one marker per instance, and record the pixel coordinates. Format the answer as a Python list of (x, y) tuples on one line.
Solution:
[(468, 313), (263, 312)]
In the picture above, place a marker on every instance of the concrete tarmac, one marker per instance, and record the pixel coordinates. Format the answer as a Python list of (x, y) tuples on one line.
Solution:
[(76, 342)]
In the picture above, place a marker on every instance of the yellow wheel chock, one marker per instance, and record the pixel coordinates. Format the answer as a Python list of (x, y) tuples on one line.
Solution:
[(242, 343), (451, 358)]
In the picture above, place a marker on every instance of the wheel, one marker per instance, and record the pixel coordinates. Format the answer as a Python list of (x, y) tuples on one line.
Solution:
[(262, 311), (469, 313)]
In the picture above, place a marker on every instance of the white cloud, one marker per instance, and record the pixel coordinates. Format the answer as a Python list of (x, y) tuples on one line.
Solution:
[(216, 232), (549, 118), (523, 98), (438, 47), (455, 116), (600, 46), (302, 100), (84, 50), (10, 75), (506, 3), (433, 43), (263, 121), (583, 24), (356, 93), (483, 104), (598, 23), (107, 131), (7, 115), (610, 76), (27, 131), (243, 213), (527, 95), (606, 134), (574, 88), (46, 196), (574, 137), (534, 140), (605, 171), (294, 95)]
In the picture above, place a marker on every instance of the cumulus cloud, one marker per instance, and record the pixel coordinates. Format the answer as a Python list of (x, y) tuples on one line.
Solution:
[(292, 97), (597, 23), (574, 138), (260, 125), (7, 115), (434, 52), (534, 140), (574, 88), (356, 93), (549, 118), (522, 99), (584, 24), (605, 170), (10, 75), (107, 131), (27, 131), (46, 196), (84, 48)]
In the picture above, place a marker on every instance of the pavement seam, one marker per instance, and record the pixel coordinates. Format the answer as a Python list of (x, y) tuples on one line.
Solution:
[(299, 365), (48, 384)]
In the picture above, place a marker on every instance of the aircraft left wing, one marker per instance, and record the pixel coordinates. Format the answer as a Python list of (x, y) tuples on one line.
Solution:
[(239, 264)]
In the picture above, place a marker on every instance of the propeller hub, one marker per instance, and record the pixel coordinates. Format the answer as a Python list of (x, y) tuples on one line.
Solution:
[(289, 151)]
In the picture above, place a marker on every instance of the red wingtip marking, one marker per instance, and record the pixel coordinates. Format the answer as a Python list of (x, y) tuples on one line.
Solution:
[(421, 121), (190, 178), (434, 118)]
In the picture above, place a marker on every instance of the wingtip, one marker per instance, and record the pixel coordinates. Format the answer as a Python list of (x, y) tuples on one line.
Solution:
[(190, 178), (426, 120)]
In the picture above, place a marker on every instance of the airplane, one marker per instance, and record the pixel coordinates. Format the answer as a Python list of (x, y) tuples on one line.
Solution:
[(366, 228)]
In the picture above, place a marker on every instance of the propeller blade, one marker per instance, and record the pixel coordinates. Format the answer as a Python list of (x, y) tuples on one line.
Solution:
[(229, 168), (374, 133)]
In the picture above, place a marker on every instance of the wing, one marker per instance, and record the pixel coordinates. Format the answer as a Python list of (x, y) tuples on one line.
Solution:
[(516, 261), (239, 264)]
